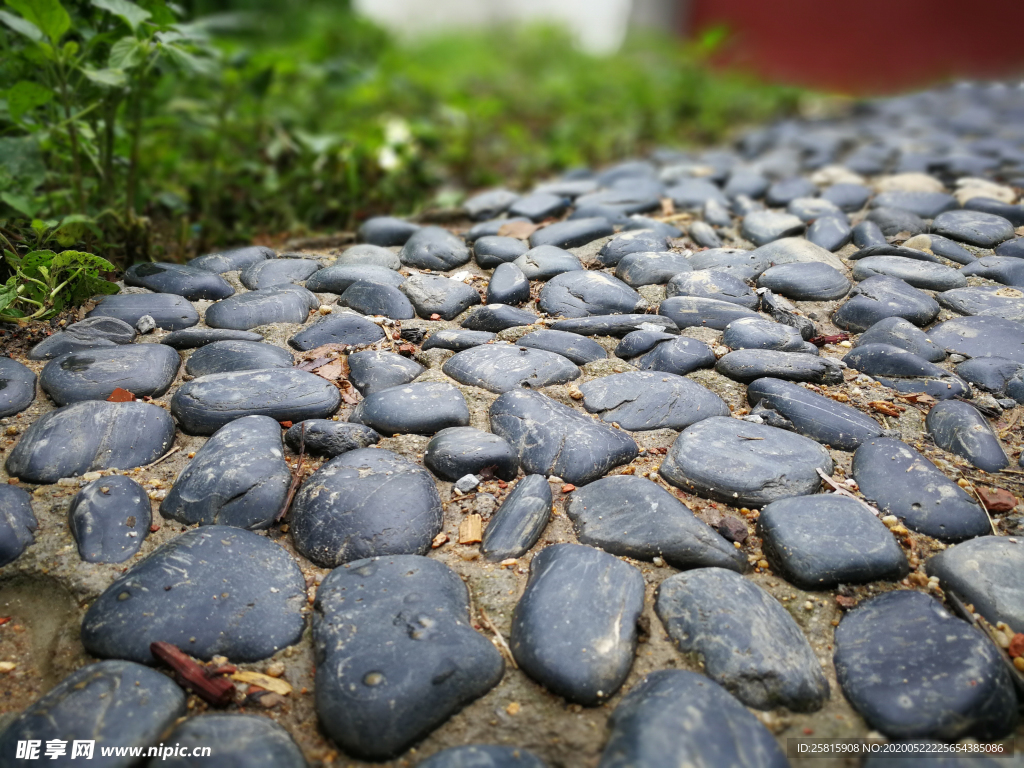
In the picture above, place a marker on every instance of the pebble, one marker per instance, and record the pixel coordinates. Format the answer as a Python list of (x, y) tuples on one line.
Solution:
[(782, 193), (283, 304), (759, 333), (422, 408), (651, 268), (920, 274), (572, 233), (680, 355), (1004, 302), (1012, 213), (960, 428), (110, 519), (493, 250), (546, 261), (228, 356), (879, 297), (830, 232), (640, 401), (233, 258), (761, 227), (868, 234), (988, 573), (985, 230), (1008, 270), (236, 739), (87, 334), (457, 340), (572, 346), (508, 285), (376, 299), (438, 295), (749, 643), (372, 370), (893, 221), (169, 311), (994, 374), (927, 205), (746, 365), (579, 294), (367, 502), (366, 254), (906, 372), (323, 437), (211, 591), (338, 328), (17, 523), (191, 338), (614, 325), (743, 265), (981, 336), (495, 318), (847, 196), (142, 369), (503, 367), (487, 205), (711, 284), (194, 283), (459, 451), (538, 206), (814, 281), (897, 332), (697, 311), (337, 278), (483, 756), (574, 629), (520, 520), (17, 387), (386, 231), (637, 342), (1012, 248), (795, 250), (395, 653), (629, 242), (704, 235), (694, 194), (941, 246)]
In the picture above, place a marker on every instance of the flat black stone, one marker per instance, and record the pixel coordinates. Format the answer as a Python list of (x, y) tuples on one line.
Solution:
[(1004, 302), (814, 281), (113, 703), (508, 285), (795, 250), (190, 338), (809, 209), (812, 415), (718, 459), (867, 234), (920, 274), (674, 718), (822, 541), (985, 230), (376, 299), (239, 741), (88, 436), (988, 573), (232, 259), (495, 318), (87, 334), (110, 519), (716, 214), (206, 404), (1002, 269), (997, 375), (743, 265), (372, 370), (651, 268), (238, 478), (395, 653), (572, 233), (369, 255), (238, 595), (633, 517), (746, 365), (981, 336), (958, 688), (902, 482), (337, 278), (896, 250), (283, 304), (633, 241), (579, 294), (386, 231), (192, 282), (338, 328), (503, 367), (434, 248), (520, 520), (579, 349), (743, 181), (1013, 248), (487, 205), (366, 503), (782, 193), (892, 221), (640, 400), (18, 523), (169, 311), (694, 194), (944, 247), (574, 629), (483, 756), (696, 311), (761, 227), (880, 297), (459, 451), (323, 437), (434, 294), (419, 408), (681, 355), (228, 356), (897, 332), (960, 428), (927, 205), (1012, 213), (492, 250), (658, 227), (538, 206), (704, 235), (749, 643), (546, 261), (613, 325), (636, 343), (553, 439), (906, 372), (491, 228), (711, 284), (760, 333), (142, 369), (457, 339), (848, 197), (17, 387), (830, 232)]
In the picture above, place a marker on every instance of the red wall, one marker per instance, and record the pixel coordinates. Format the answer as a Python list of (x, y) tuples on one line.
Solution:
[(867, 45)]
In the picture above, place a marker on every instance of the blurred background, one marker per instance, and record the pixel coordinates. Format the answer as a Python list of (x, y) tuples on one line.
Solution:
[(157, 129)]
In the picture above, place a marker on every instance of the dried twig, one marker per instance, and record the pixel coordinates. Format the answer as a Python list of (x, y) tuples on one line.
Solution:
[(843, 492), (296, 475), (175, 449), (205, 683), (991, 522), (486, 623)]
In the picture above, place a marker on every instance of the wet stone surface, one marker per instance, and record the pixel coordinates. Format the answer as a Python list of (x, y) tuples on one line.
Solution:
[(110, 519)]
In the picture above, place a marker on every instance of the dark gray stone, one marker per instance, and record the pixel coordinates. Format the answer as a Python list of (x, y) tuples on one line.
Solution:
[(927, 205), (782, 193), (897, 332), (17, 387), (553, 439), (87, 334), (338, 328), (1013, 248), (457, 340), (913, 670), (395, 653), (365, 503), (232, 259), (633, 517), (704, 235), (372, 370), (169, 311), (572, 233), (814, 281), (795, 250), (640, 400), (503, 367), (636, 343), (376, 299), (809, 209), (985, 230), (492, 250), (673, 718), (981, 336), (495, 318), (847, 197), (1002, 269), (1005, 302), (337, 278), (508, 285), (749, 643), (761, 227), (812, 415), (1012, 213), (892, 221), (18, 523), (491, 228), (651, 268), (743, 181), (228, 356), (435, 294), (487, 205), (822, 541), (746, 365), (483, 756), (681, 355), (142, 369), (782, 311), (192, 282), (759, 333), (113, 703), (323, 437), (284, 304), (724, 459), (997, 375), (960, 428), (459, 451), (896, 250), (110, 519), (694, 194), (520, 520), (578, 294), (944, 247), (546, 261), (238, 478), (830, 232), (711, 284), (538, 206), (716, 214), (743, 265), (434, 248), (574, 629), (906, 372), (880, 297), (88, 436), (634, 241), (867, 234), (614, 325), (579, 349), (696, 311), (386, 231), (658, 227), (206, 404), (902, 482), (190, 338), (211, 591), (920, 274), (988, 573), (369, 255), (238, 741), (419, 408)]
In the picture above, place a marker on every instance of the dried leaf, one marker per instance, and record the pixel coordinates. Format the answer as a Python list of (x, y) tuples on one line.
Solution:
[(889, 409), (121, 396), (520, 229), (332, 371), (273, 684)]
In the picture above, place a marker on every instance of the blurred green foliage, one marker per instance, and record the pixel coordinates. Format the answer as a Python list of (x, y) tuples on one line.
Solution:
[(177, 128)]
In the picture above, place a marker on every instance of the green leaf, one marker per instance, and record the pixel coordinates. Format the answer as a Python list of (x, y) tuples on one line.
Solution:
[(132, 14), (21, 203), (162, 15), (185, 61), (39, 227), (48, 15), (110, 78), (76, 259), (126, 53), (26, 96), (18, 24), (8, 292)]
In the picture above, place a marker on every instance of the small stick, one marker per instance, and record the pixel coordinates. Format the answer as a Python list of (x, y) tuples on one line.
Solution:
[(175, 449), (486, 622), (991, 522), (843, 492), (205, 683), (296, 475)]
